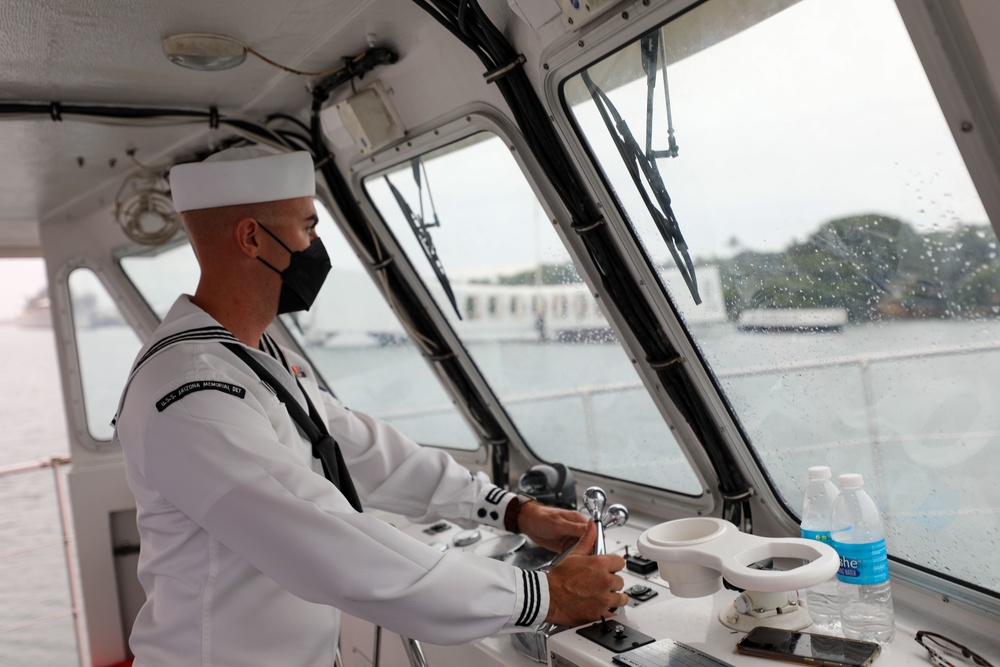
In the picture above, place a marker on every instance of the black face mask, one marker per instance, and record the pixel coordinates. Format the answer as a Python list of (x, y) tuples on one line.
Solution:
[(303, 277)]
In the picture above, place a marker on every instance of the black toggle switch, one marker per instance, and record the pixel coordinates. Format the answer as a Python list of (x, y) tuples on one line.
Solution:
[(641, 593), (640, 564)]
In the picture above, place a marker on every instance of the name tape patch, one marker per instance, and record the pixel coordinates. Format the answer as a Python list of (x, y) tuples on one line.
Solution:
[(200, 385)]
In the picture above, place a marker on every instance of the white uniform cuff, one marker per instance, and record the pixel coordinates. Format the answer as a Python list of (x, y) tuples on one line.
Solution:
[(491, 505), (532, 602)]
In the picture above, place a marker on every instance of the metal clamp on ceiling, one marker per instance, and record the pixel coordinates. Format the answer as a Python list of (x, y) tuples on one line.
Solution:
[(657, 365), (55, 112), (743, 495), (503, 70), (381, 266), (583, 229)]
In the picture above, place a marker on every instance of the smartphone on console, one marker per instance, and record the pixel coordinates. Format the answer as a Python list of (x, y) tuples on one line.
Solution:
[(807, 648)]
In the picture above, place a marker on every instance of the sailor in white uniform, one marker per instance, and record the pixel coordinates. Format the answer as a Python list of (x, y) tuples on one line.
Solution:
[(248, 550)]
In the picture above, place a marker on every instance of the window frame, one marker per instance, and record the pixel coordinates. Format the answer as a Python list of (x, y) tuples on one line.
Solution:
[(478, 118), (71, 368)]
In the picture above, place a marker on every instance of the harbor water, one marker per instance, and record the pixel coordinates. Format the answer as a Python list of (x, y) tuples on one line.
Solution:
[(36, 621)]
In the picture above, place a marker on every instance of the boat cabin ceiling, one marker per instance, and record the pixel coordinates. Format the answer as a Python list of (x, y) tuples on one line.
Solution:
[(111, 54), (685, 248)]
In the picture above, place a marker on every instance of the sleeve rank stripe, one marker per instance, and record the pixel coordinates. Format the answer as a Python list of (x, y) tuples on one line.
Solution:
[(496, 496), (532, 599)]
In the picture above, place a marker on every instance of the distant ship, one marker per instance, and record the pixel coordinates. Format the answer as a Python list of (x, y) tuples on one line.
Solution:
[(793, 319), (88, 312), (36, 312)]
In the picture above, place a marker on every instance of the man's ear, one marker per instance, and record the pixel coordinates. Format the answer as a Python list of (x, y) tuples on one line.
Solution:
[(247, 233)]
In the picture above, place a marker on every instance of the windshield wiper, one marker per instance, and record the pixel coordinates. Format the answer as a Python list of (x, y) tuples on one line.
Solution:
[(642, 166), (651, 48), (420, 227)]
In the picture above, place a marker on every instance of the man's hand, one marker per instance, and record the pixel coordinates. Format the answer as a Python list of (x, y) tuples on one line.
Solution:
[(582, 586), (555, 529)]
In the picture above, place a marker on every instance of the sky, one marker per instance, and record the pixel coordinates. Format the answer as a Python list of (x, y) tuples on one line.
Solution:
[(821, 111)]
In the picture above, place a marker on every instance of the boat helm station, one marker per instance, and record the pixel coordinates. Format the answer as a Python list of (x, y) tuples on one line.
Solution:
[(649, 261)]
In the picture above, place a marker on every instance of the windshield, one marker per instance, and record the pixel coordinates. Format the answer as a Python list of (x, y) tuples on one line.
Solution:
[(473, 227), (859, 310)]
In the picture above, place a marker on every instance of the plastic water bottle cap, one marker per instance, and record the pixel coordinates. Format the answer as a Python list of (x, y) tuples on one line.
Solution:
[(819, 473), (851, 480)]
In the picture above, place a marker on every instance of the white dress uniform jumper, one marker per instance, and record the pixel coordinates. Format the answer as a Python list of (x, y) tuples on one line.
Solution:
[(248, 551)]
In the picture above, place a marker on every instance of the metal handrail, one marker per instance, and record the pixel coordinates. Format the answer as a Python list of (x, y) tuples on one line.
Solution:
[(62, 500), (749, 371), (863, 361), (30, 466), (862, 358)]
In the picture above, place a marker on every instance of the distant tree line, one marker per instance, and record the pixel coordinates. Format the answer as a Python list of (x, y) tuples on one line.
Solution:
[(876, 267), (545, 274)]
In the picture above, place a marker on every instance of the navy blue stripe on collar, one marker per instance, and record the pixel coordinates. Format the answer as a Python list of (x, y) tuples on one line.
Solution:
[(275, 350), (202, 333)]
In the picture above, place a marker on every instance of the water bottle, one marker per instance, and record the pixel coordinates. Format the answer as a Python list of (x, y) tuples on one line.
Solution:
[(822, 600), (863, 578)]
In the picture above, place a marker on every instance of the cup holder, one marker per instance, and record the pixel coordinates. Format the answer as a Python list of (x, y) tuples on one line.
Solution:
[(684, 532), (694, 555)]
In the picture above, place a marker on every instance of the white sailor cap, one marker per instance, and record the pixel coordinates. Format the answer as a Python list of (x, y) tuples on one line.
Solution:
[(242, 175)]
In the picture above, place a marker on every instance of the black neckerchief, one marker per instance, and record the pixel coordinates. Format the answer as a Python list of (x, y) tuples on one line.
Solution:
[(324, 447)]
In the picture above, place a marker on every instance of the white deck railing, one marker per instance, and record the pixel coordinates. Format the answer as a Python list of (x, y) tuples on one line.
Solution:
[(62, 502)]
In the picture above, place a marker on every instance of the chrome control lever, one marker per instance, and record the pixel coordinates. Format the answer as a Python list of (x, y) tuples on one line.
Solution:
[(535, 644), (616, 515), (594, 499)]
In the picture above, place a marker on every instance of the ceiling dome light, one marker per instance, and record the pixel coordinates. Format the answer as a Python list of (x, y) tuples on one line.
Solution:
[(204, 52)]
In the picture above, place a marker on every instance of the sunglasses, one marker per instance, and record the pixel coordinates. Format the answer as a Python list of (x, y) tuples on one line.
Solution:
[(941, 649)]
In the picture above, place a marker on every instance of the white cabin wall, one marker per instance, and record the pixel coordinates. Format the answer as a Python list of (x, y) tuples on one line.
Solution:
[(420, 100), (96, 479), (68, 243), (98, 492)]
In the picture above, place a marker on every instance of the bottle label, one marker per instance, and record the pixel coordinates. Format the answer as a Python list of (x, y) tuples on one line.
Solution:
[(862, 564), (821, 535)]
